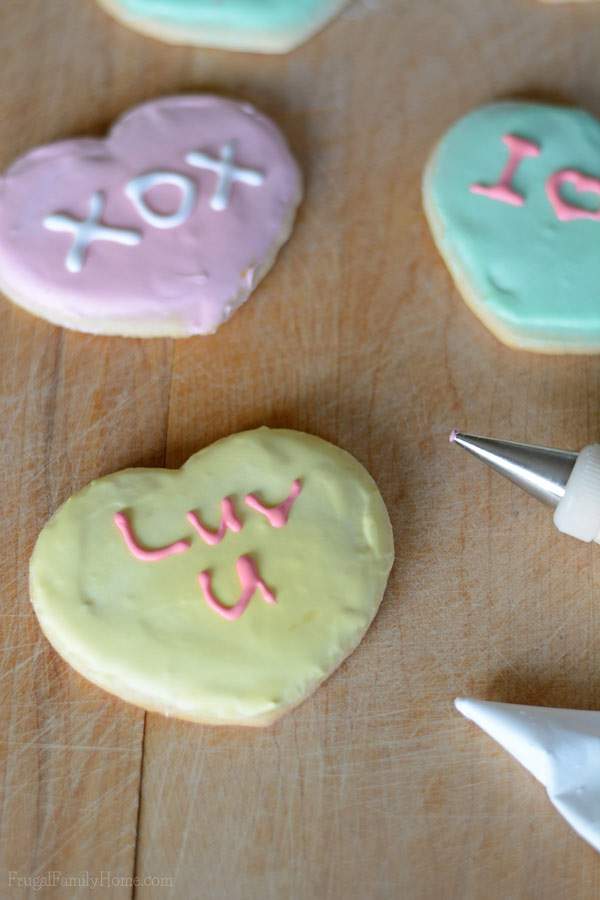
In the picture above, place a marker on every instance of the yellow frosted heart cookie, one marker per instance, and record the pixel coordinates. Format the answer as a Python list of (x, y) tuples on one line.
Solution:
[(224, 592)]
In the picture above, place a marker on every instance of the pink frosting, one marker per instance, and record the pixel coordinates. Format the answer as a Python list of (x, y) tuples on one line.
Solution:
[(565, 211), (195, 272), (250, 581), (228, 520), (277, 516), (518, 149), (122, 523)]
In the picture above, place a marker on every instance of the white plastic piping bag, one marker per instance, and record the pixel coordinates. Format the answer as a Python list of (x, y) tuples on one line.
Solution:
[(560, 747)]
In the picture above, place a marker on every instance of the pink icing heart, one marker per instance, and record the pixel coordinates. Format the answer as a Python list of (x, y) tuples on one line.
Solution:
[(164, 227), (565, 211)]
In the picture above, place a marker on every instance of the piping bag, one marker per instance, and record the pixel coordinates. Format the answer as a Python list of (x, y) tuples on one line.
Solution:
[(560, 747), (570, 482)]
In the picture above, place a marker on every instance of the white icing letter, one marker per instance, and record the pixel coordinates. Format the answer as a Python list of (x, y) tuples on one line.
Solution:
[(89, 230), (137, 187), (227, 173)]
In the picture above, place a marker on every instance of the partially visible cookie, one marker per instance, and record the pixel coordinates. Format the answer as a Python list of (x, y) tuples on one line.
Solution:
[(512, 195), (163, 228), (224, 592), (262, 26)]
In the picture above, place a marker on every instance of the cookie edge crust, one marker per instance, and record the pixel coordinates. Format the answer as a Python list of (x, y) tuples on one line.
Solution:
[(146, 327), (142, 701), (216, 39)]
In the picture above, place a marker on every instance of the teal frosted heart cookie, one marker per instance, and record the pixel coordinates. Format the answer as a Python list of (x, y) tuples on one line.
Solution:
[(512, 195), (262, 26)]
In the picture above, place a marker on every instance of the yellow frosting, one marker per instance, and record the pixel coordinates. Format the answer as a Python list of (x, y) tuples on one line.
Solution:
[(143, 631)]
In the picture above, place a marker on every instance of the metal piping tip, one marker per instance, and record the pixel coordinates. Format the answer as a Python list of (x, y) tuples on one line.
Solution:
[(541, 471)]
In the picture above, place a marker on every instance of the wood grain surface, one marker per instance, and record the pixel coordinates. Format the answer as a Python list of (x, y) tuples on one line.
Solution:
[(375, 788)]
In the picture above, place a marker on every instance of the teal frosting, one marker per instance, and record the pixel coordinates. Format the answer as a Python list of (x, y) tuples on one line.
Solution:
[(258, 15), (536, 277)]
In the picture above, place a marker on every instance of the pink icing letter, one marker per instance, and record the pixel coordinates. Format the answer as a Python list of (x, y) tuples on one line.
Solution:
[(250, 581), (518, 149), (277, 515), (566, 212), (228, 520), (120, 520)]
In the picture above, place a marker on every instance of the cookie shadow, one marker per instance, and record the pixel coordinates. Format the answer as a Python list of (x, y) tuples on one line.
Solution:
[(573, 691), (588, 100)]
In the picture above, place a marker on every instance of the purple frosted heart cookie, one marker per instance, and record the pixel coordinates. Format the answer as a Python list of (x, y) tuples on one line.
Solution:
[(163, 228)]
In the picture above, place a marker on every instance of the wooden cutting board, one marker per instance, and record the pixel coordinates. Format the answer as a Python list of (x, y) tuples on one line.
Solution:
[(374, 788)]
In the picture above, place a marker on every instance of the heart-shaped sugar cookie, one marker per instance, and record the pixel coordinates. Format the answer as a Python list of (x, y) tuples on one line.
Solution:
[(511, 194), (163, 228), (224, 592), (263, 26)]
